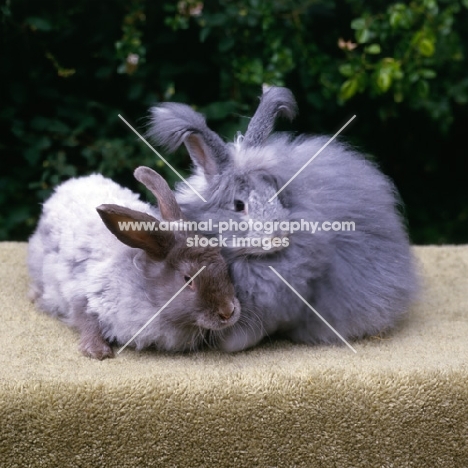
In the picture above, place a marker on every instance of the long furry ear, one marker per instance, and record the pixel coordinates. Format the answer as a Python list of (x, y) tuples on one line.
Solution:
[(275, 102), (173, 124), (121, 222), (168, 206)]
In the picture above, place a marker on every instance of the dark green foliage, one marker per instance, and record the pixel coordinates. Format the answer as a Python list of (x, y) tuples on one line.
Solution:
[(69, 69)]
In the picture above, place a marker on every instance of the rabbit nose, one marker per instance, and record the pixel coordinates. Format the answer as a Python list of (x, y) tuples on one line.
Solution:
[(227, 313)]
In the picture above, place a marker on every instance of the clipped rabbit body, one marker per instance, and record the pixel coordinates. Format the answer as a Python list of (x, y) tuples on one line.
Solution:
[(361, 280), (108, 282)]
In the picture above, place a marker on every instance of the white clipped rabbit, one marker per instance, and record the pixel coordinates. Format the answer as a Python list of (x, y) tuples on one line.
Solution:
[(108, 282), (360, 281)]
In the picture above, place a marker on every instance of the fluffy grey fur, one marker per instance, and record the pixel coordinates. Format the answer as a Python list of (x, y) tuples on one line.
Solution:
[(108, 283), (275, 102), (361, 282)]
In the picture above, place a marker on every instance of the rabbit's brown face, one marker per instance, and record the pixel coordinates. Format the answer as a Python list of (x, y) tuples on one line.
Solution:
[(208, 300)]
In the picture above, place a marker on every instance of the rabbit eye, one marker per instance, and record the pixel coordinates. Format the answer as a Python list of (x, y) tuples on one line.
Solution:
[(239, 205), (189, 281)]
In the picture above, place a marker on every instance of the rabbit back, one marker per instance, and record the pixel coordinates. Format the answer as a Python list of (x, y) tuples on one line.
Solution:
[(66, 238), (75, 262), (361, 281)]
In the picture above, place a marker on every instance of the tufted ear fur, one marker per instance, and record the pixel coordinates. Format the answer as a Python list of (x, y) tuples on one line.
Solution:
[(157, 244), (275, 102), (173, 124)]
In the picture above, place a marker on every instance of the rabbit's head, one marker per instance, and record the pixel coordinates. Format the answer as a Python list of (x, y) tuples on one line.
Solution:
[(194, 279), (236, 179)]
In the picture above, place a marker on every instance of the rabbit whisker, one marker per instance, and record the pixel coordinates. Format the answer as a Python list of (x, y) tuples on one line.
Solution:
[(137, 257)]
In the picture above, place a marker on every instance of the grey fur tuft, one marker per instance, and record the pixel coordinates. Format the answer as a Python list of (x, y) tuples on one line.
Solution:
[(173, 124), (275, 102)]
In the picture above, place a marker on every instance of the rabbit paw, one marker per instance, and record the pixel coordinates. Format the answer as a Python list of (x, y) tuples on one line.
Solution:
[(96, 347)]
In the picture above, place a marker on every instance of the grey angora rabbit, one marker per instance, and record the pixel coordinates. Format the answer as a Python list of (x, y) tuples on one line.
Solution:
[(360, 281), (108, 282)]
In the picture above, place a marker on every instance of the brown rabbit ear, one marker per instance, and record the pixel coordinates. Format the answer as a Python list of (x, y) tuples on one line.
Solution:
[(170, 210), (137, 229)]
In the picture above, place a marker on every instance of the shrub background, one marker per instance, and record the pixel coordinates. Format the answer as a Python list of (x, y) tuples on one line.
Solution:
[(69, 69)]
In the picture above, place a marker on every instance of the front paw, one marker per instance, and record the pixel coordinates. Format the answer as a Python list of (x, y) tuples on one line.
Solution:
[(96, 348)]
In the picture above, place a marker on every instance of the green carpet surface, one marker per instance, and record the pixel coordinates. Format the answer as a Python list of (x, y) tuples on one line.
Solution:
[(401, 400)]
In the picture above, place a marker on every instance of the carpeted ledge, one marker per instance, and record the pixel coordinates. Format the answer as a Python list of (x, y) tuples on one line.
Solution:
[(400, 401)]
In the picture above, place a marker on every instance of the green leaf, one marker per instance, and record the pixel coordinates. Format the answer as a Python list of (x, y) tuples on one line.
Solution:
[(363, 35), (34, 152), (17, 128), (422, 88), (226, 43), (373, 49), (398, 96), (39, 24), (384, 79), (204, 33), (395, 19), (5, 10), (216, 20), (427, 73), (426, 47), (358, 23), (346, 70), (397, 74), (348, 89), (400, 16), (44, 124), (413, 77), (40, 123), (32, 155), (56, 126), (431, 5)]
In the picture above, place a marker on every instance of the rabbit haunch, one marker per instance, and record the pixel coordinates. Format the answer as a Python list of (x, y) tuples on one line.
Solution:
[(361, 281), (108, 283)]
